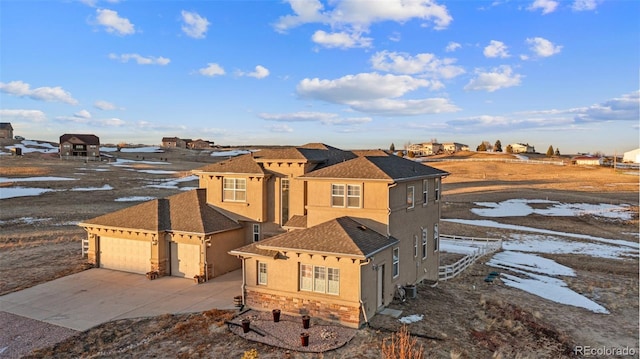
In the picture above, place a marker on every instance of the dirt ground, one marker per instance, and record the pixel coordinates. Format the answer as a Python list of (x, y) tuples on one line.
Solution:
[(463, 317)]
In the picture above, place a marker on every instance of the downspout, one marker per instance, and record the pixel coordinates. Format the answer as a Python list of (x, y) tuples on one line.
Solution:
[(364, 311), (244, 284), (207, 243)]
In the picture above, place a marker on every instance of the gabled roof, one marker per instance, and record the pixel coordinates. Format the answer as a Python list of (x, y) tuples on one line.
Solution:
[(84, 138), (183, 212), (387, 167), (296, 222), (342, 236), (239, 164), (6, 126)]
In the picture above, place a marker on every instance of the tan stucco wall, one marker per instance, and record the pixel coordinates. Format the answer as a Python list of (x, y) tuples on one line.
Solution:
[(255, 206), (218, 258)]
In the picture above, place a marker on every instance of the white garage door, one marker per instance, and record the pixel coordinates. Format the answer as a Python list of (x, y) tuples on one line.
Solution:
[(185, 260), (125, 254)]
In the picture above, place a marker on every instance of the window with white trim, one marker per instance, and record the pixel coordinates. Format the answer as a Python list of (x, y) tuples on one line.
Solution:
[(234, 190), (262, 273), (437, 189), (410, 197), (425, 192), (319, 279), (436, 238), (424, 243), (256, 232), (396, 262), (346, 195)]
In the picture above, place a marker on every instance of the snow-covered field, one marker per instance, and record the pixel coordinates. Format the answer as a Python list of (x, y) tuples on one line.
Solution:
[(538, 275)]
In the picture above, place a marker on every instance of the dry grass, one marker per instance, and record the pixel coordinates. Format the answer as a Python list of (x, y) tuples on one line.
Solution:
[(16, 171), (402, 346)]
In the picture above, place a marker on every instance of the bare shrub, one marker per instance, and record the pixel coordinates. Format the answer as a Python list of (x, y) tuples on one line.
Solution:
[(402, 346)]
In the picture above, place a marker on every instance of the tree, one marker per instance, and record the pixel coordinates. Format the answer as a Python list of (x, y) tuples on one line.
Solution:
[(509, 149), (482, 147), (557, 152), (410, 154), (498, 146), (392, 148), (550, 151)]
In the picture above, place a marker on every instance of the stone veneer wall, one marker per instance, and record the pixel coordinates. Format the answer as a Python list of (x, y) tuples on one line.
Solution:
[(349, 316)]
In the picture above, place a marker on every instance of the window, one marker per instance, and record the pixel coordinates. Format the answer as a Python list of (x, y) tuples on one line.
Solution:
[(424, 243), (396, 262), (319, 279), (345, 194), (234, 190), (415, 246), (333, 280), (337, 195), (306, 277), (425, 192), (437, 189), (353, 196), (436, 238), (256, 232), (410, 199), (262, 273)]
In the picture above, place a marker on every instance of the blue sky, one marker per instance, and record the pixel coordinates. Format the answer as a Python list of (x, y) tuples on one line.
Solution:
[(350, 73)]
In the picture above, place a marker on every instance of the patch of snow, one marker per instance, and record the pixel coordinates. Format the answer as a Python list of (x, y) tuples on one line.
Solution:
[(521, 207), (134, 199), (12, 192), (522, 157), (127, 163), (103, 188), (459, 248), (494, 224), (529, 262), (157, 172), (26, 220), (548, 244), (149, 149), (35, 179), (411, 318), (232, 153), (173, 183), (108, 149), (188, 188), (34, 146)]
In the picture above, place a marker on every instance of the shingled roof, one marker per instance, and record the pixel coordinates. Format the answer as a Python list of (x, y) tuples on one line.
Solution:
[(84, 138), (239, 164), (384, 167), (342, 236), (183, 212)]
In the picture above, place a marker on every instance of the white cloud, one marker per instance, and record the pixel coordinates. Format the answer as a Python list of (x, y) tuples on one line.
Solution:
[(23, 115), (141, 60), (260, 72), (212, 70), (98, 122), (547, 6), (49, 94), (395, 36), (498, 78), (344, 40), (452, 46), (280, 128), (543, 47), (325, 118), (625, 108), (398, 107), (496, 49), (360, 14), (425, 64), (360, 87), (194, 25), (584, 5), (83, 114), (114, 23), (104, 105)]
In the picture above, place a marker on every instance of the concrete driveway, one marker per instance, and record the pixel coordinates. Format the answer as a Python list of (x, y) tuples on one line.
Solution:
[(83, 300)]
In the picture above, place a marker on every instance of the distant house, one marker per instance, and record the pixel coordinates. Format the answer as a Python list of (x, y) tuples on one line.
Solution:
[(80, 145), (173, 142), (587, 160), (632, 156), (453, 147), (6, 130), (200, 144), (426, 148), (522, 148)]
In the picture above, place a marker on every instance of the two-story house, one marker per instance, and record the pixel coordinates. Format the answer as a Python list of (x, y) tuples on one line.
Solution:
[(79, 145), (323, 231)]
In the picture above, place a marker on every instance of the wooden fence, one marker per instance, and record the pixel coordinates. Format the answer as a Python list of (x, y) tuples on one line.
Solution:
[(479, 246)]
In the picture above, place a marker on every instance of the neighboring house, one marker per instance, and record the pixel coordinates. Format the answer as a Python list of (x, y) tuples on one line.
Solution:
[(200, 144), (80, 145), (318, 230), (179, 235), (173, 142), (632, 156), (453, 147), (6, 130), (587, 160), (522, 148), (426, 148)]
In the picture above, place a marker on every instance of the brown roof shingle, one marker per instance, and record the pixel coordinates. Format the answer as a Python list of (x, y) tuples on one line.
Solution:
[(183, 212), (240, 164)]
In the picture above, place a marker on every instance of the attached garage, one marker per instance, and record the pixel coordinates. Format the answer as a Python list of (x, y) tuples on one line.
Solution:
[(185, 260), (125, 254)]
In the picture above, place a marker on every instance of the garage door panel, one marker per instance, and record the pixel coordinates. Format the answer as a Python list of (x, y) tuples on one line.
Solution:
[(185, 260), (125, 254)]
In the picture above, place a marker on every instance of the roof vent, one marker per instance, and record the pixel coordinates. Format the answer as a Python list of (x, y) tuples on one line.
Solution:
[(362, 228)]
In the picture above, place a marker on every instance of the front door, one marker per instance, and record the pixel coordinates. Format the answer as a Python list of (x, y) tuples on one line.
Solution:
[(380, 286)]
